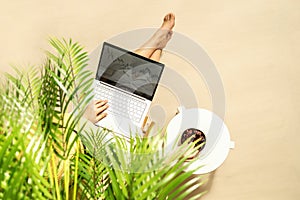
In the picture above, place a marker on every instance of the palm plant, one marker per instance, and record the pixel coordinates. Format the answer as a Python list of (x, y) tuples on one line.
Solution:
[(46, 152)]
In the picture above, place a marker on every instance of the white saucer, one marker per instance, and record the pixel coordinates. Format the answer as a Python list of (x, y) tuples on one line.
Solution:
[(217, 150)]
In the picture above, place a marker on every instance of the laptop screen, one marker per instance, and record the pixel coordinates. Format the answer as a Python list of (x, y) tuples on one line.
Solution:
[(129, 71)]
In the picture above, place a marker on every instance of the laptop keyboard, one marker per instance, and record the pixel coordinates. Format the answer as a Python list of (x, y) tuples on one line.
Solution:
[(121, 104)]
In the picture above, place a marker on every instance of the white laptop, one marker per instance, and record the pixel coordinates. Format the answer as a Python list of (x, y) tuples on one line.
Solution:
[(128, 81)]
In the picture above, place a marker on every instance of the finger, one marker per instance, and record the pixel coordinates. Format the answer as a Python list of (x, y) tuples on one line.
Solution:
[(101, 116), (101, 109), (100, 103)]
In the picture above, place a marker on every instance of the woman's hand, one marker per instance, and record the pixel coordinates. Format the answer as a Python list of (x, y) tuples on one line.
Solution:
[(100, 106), (96, 110)]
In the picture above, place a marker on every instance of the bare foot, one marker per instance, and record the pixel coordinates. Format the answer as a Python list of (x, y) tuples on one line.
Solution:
[(161, 37)]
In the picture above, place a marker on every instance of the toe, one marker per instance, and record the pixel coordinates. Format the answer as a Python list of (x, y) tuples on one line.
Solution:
[(169, 21), (169, 17)]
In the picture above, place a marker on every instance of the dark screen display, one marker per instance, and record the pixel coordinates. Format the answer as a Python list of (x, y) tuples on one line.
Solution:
[(128, 71)]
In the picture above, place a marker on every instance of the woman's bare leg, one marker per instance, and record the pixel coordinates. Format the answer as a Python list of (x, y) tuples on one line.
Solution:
[(156, 55), (159, 40)]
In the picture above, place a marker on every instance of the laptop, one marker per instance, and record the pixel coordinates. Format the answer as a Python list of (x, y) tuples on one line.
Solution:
[(128, 81)]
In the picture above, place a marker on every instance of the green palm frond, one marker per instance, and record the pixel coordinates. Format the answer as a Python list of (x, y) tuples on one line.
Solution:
[(40, 111), (93, 177), (22, 150), (63, 90), (139, 169)]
